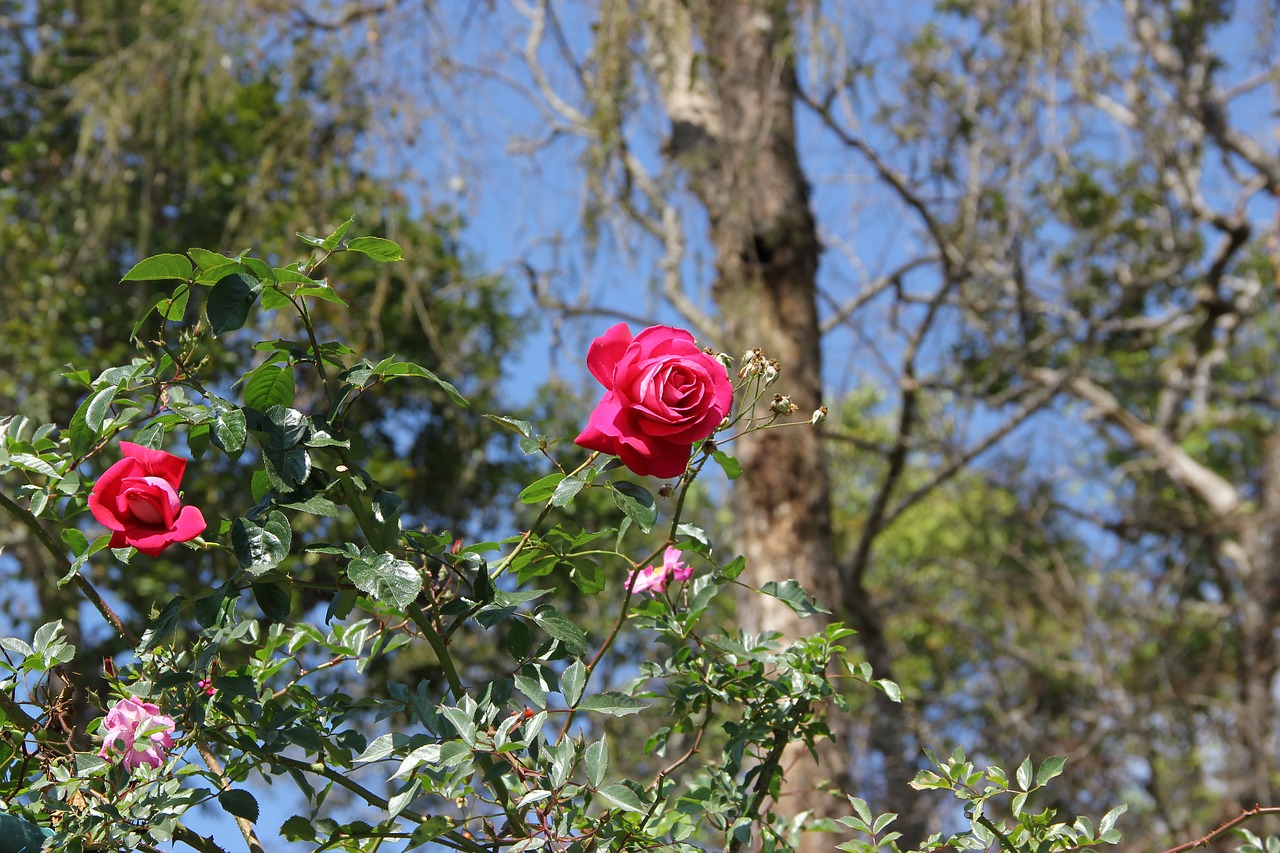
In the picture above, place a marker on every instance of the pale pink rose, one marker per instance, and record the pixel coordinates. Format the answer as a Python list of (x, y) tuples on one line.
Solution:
[(662, 395), (138, 732), (654, 579), (137, 498)]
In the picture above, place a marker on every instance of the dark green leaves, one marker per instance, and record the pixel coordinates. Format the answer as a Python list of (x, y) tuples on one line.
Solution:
[(239, 803), (386, 578), (636, 502), (260, 548), (228, 431), (560, 628), (229, 303)]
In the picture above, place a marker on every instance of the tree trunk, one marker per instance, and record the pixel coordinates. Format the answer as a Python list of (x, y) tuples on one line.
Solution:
[(733, 133)]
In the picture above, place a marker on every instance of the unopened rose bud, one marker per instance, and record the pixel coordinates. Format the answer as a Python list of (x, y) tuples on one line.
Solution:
[(819, 415)]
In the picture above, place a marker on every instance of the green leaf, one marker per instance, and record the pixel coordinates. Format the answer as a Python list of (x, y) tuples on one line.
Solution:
[(532, 690), (86, 423), (175, 309), (229, 303), (259, 549), (331, 242), (734, 567), (386, 578), (269, 385), (558, 626), (162, 627), (401, 800), (793, 595), (389, 368), (239, 803), (597, 761), (1024, 774), (207, 260), (432, 827), (159, 268), (523, 428), (321, 290), (383, 746), (298, 828), (284, 275), (622, 797), (732, 468), (612, 703), (274, 599), (377, 248), (889, 688), (567, 490), (1052, 767), (1109, 819), (542, 489), (636, 502), (572, 682), (519, 640), (228, 432)]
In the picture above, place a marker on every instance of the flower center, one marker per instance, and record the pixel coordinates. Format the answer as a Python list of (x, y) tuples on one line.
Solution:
[(151, 500)]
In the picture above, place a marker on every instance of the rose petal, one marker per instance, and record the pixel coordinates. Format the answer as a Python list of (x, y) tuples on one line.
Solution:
[(149, 540), (189, 524), (605, 352), (601, 432), (157, 463), (651, 456), (106, 492)]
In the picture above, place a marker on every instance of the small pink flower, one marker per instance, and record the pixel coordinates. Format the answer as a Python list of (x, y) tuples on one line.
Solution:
[(654, 579), (137, 731)]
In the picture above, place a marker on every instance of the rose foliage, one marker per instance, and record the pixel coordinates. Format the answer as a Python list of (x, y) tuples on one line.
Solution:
[(257, 678)]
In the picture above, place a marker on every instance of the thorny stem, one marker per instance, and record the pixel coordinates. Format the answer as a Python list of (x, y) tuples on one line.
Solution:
[(1005, 842)]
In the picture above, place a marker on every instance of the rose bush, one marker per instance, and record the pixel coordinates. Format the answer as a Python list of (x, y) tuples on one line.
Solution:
[(137, 499), (138, 732), (663, 394)]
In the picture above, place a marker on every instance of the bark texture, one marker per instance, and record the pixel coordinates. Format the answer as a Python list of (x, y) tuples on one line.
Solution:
[(734, 134)]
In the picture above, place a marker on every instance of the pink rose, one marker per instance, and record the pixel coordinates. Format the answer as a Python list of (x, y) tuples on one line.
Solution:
[(663, 394), (138, 499), (139, 731), (654, 579)]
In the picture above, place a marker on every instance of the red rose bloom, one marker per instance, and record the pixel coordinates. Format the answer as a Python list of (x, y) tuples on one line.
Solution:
[(137, 498), (663, 394)]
